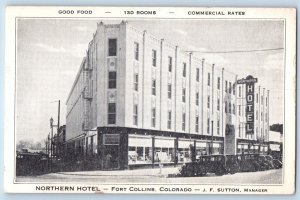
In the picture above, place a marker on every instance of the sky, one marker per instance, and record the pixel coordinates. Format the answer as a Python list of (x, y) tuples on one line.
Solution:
[(50, 51)]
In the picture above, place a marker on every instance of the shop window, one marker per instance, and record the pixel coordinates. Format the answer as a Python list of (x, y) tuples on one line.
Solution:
[(112, 47), (112, 80), (112, 113), (153, 58), (170, 63), (141, 154), (136, 51)]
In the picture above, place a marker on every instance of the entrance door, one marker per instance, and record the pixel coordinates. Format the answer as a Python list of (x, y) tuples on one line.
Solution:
[(111, 157)]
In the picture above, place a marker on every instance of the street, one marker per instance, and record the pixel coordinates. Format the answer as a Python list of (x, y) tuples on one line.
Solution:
[(165, 175)]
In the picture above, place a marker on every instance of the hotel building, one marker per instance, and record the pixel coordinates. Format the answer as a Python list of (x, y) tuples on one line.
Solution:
[(138, 100)]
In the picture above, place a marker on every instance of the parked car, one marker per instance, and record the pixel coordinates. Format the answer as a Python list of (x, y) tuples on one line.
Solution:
[(217, 164), (277, 164)]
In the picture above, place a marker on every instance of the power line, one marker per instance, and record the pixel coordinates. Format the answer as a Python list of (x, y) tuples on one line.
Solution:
[(238, 51)]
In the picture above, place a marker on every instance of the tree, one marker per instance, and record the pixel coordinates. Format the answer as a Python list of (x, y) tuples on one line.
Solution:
[(277, 128)]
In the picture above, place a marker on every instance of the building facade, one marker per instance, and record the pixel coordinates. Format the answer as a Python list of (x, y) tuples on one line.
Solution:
[(138, 100)]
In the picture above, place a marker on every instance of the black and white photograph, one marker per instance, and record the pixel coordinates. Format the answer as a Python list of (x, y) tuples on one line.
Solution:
[(178, 100)]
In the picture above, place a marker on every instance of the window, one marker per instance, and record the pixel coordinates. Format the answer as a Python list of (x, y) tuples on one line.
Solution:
[(170, 63), (219, 83), (112, 47), (136, 82), (135, 115), (169, 90), (208, 79), (153, 117), (229, 110), (153, 87), (183, 94), (218, 126), (266, 101), (169, 119), (266, 118), (197, 98), (226, 86), (183, 121), (239, 110), (197, 124), (184, 70), (261, 116), (225, 107), (229, 87), (233, 89), (239, 130), (262, 100), (136, 51), (256, 97), (112, 113), (218, 104), (208, 101), (240, 91), (257, 115), (233, 108), (208, 122), (153, 58), (197, 74), (112, 80)]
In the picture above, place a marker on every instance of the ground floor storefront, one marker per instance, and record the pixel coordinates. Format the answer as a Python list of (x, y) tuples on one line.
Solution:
[(127, 148), (251, 147)]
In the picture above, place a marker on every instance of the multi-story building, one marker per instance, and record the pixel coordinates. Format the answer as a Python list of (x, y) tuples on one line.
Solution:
[(139, 100)]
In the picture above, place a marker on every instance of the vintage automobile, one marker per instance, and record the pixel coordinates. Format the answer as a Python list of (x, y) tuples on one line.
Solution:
[(277, 163), (217, 164)]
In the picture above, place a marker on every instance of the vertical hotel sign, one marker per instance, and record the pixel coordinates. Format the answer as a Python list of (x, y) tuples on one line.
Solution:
[(249, 82)]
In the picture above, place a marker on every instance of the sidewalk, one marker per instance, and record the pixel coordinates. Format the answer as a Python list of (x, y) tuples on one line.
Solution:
[(164, 172)]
